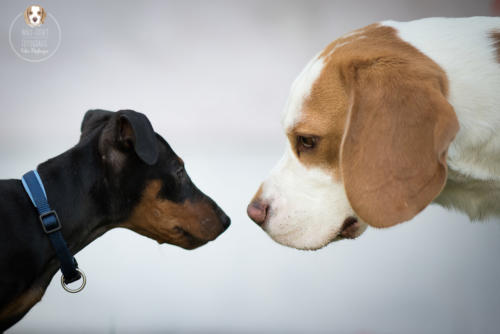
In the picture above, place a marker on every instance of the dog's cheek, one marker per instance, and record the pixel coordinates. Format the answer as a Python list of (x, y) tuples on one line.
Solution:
[(198, 219), (206, 224), (166, 221), (150, 218), (307, 205)]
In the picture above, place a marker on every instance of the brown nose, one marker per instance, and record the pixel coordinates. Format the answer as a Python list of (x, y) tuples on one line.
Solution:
[(257, 211)]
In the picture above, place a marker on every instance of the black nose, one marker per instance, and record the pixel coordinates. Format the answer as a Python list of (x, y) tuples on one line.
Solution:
[(226, 221), (35, 19)]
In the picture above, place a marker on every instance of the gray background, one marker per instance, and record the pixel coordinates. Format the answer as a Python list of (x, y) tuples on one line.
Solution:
[(213, 78)]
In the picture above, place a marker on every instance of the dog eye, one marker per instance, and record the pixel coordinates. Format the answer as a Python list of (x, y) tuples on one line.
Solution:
[(39, 12), (305, 143), (30, 13)]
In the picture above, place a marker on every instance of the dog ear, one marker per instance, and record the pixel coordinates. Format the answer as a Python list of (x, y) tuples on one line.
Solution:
[(135, 130), (26, 17), (44, 14), (394, 148), (126, 132), (93, 118)]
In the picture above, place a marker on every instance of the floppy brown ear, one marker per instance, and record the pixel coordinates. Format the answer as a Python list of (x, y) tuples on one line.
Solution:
[(44, 14), (26, 18), (394, 149)]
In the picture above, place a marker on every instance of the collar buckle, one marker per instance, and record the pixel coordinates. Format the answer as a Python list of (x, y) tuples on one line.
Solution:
[(50, 222)]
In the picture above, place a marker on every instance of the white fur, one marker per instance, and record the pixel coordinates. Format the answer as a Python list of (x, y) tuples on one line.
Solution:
[(308, 207), (301, 88), (36, 13), (338, 46), (463, 48), (352, 33)]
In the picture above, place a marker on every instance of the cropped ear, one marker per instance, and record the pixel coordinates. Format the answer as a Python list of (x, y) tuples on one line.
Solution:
[(394, 149), (93, 118), (135, 130)]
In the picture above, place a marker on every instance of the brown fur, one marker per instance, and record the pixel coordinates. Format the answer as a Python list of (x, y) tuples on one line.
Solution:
[(186, 224), (495, 36), (22, 303), (324, 111), (257, 195), (383, 122), (26, 14)]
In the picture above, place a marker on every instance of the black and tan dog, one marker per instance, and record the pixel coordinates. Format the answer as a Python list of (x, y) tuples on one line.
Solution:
[(120, 174)]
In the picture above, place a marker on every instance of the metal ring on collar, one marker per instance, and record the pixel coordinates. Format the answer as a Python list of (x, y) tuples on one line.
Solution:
[(80, 288)]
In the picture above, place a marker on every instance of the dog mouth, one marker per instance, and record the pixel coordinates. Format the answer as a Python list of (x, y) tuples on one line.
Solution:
[(350, 229), (188, 240)]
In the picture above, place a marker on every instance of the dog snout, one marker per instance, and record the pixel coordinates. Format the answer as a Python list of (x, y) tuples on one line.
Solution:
[(226, 222), (258, 210), (224, 219), (218, 216), (35, 19)]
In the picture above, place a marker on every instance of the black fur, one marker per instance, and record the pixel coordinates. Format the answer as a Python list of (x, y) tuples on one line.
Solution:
[(94, 187)]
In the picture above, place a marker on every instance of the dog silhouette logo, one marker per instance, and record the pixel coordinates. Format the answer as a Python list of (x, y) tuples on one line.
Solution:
[(34, 15)]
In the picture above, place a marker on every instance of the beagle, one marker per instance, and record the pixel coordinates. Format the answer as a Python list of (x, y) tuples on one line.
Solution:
[(34, 15), (382, 122)]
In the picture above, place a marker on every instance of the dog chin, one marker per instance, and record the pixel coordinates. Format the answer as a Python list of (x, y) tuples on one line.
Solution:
[(193, 244), (300, 239), (299, 243), (304, 240), (190, 242)]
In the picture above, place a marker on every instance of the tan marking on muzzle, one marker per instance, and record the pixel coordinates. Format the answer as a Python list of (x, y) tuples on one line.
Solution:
[(187, 224), (257, 195)]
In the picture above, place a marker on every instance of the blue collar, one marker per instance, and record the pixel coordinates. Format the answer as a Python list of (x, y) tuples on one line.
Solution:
[(51, 225)]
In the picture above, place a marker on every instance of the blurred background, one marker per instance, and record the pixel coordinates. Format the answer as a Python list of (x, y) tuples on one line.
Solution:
[(213, 78)]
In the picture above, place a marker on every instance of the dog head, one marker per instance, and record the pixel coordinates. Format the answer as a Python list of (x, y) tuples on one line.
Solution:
[(368, 128), (150, 190), (34, 15)]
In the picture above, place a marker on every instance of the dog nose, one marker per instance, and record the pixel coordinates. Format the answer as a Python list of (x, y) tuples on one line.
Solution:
[(35, 19), (226, 221), (257, 211)]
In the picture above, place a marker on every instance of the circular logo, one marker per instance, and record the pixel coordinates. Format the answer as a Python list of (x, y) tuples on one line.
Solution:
[(34, 35)]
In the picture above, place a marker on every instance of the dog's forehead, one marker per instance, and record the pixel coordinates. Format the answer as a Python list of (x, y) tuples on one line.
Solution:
[(318, 84), (35, 9), (300, 91)]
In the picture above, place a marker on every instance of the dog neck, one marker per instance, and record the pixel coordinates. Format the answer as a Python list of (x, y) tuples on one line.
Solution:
[(75, 189)]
